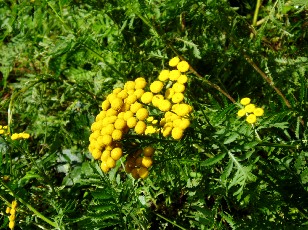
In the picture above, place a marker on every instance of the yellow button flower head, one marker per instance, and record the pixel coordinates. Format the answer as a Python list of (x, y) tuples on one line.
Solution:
[(116, 104), (128, 114), (251, 118), (116, 153), (177, 97), (148, 151), (131, 122), (146, 98), (120, 123), (142, 114), (174, 61), (135, 107), (14, 136), (241, 113), (4, 127), (184, 124), (182, 110), (164, 105), (139, 93), (104, 166), (147, 162), (111, 97), (166, 131), (245, 101), (182, 79), (143, 172), (116, 91), (11, 224), (107, 139), (149, 119), (1, 131), (156, 100), (117, 135), (258, 112), (129, 85), (150, 130), (174, 75), (164, 75), (8, 209), (123, 94), (96, 154), (250, 108), (140, 83), (183, 66), (105, 155), (177, 133), (25, 135), (178, 87), (156, 86), (140, 127), (131, 99), (111, 162)]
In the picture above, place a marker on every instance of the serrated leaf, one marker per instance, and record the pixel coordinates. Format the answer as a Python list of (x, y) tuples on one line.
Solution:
[(231, 138), (213, 160)]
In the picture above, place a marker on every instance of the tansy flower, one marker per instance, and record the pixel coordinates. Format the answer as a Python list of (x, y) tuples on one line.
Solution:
[(177, 97), (129, 85), (251, 118), (174, 75), (164, 105), (117, 103), (178, 87), (1, 131), (157, 99), (183, 66), (146, 98), (140, 127), (139, 93), (156, 86), (177, 133), (131, 122), (241, 113), (164, 75), (258, 112), (150, 130), (14, 136), (169, 93), (143, 172), (182, 79), (142, 114), (245, 101), (140, 83), (174, 61), (249, 108), (25, 135)]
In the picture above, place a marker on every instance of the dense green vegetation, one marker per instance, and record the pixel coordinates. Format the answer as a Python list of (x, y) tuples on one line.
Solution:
[(59, 60)]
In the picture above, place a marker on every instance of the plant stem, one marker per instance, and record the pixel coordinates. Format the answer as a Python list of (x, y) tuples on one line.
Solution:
[(255, 16), (37, 213)]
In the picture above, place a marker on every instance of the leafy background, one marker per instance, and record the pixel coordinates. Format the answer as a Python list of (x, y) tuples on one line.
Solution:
[(59, 59)]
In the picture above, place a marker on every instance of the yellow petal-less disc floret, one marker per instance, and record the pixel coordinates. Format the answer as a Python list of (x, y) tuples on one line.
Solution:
[(128, 114), (143, 172), (116, 104), (177, 133), (174, 61), (105, 105), (245, 101), (140, 127), (177, 97), (164, 75), (25, 135), (129, 85), (116, 91), (147, 162), (131, 122), (251, 118), (184, 124), (148, 151), (147, 97), (241, 113), (258, 112), (116, 153), (250, 108), (14, 136), (169, 93), (178, 87), (140, 83), (156, 100), (182, 79), (164, 105), (135, 107), (107, 139), (131, 99), (174, 75), (142, 114), (156, 86), (105, 155), (104, 166), (111, 162), (123, 94), (120, 124), (139, 93), (183, 66), (117, 135)]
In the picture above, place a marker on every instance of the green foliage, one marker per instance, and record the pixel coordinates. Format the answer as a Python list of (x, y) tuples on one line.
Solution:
[(60, 59)]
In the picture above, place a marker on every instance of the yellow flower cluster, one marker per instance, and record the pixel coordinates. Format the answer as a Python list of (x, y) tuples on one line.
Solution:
[(17, 136), (250, 111), (138, 163), (3, 129), (12, 212), (130, 107)]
